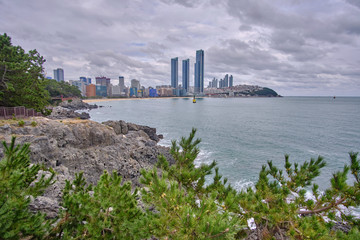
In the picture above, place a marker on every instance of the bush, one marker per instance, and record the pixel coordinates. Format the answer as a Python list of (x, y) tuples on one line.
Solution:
[(177, 204), (33, 123), (19, 182), (21, 123)]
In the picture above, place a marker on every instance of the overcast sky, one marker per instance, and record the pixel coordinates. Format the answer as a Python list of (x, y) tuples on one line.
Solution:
[(296, 47)]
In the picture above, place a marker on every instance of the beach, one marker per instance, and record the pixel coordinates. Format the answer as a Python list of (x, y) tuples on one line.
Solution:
[(119, 99)]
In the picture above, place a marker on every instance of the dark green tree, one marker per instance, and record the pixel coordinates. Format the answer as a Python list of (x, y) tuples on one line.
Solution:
[(107, 211), (57, 89), (185, 208), (19, 182), (21, 77)]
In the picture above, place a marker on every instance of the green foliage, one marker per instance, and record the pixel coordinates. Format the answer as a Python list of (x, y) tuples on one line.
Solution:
[(21, 123), (33, 123), (177, 202), (266, 92), (21, 77), (19, 182), (107, 211), (279, 201), (57, 89), (186, 209)]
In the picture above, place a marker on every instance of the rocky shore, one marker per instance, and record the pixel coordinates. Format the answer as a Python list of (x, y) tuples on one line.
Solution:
[(73, 145)]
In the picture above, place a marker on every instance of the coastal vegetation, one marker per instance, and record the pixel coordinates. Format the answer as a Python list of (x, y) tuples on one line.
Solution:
[(180, 201), (22, 81), (58, 89), (21, 77)]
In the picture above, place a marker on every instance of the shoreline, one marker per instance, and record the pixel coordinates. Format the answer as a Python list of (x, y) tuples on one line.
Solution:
[(120, 99)]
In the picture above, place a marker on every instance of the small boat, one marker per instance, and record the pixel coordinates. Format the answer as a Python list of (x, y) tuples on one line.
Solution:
[(194, 99)]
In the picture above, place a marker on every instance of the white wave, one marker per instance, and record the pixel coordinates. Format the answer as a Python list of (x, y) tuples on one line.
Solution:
[(204, 157), (243, 184)]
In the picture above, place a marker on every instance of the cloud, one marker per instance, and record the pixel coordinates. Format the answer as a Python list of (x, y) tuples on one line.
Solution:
[(293, 46)]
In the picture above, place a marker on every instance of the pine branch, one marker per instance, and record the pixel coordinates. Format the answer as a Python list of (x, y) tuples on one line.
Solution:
[(308, 212)]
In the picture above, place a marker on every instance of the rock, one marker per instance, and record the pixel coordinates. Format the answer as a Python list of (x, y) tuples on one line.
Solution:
[(124, 127), (73, 145), (63, 113), (77, 104), (132, 127), (115, 125), (151, 132)]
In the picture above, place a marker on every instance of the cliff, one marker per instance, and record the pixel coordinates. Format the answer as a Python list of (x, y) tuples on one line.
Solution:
[(73, 145)]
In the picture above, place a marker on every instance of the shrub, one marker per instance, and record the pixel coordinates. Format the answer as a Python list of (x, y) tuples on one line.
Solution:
[(33, 123), (19, 182), (21, 123)]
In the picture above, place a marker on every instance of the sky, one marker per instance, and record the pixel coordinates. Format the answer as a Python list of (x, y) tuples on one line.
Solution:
[(296, 47)]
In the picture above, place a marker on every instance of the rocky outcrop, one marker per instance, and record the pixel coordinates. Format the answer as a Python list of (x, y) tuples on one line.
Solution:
[(77, 104), (63, 113), (73, 145)]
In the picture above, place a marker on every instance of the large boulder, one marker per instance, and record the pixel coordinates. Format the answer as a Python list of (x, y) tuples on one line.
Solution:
[(73, 145)]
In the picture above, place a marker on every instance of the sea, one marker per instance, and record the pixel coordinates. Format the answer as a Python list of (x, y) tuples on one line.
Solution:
[(242, 134)]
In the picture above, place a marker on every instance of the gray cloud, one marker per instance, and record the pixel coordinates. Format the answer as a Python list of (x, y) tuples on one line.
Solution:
[(309, 47)]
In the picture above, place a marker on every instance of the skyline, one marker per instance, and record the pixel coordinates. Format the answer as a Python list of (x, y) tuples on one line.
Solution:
[(309, 48)]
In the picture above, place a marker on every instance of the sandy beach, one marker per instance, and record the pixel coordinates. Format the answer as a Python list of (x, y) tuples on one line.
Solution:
[(120, 99)]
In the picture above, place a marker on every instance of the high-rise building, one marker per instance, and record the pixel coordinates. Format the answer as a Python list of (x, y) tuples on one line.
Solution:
[(199, 72), (226, 80), (85, 80), (135, 84), (231, 81), (104, 81), (185, 75), (121, 83), (174, 74), (59, 74)]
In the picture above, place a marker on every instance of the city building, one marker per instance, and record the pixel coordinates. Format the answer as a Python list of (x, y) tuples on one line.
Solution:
[(152, 92), (135, 84), (226, 80), (90, 90), (59, 74), (199, 72), (80, 85), (133, 92), (101, 91), (85, 80), (231, 81), (185, 76), (104, 81), (174, 75), (115, 91), (122, 83)]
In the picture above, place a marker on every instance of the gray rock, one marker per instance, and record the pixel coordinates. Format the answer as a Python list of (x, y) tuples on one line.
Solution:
[(77, 104), (73, 145), (63, 113)]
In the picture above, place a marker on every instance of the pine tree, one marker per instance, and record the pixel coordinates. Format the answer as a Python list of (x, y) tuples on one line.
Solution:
[(184, 207), (19, 183), (107, 211)]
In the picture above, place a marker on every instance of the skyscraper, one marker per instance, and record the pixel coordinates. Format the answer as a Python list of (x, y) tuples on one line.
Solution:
[(226, 80), (231, 81), (199, 72), (185, 75), (174, 74), (59, 74), (121, 83)]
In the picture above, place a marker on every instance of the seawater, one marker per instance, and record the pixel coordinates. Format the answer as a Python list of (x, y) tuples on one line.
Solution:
[(242, 134)]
